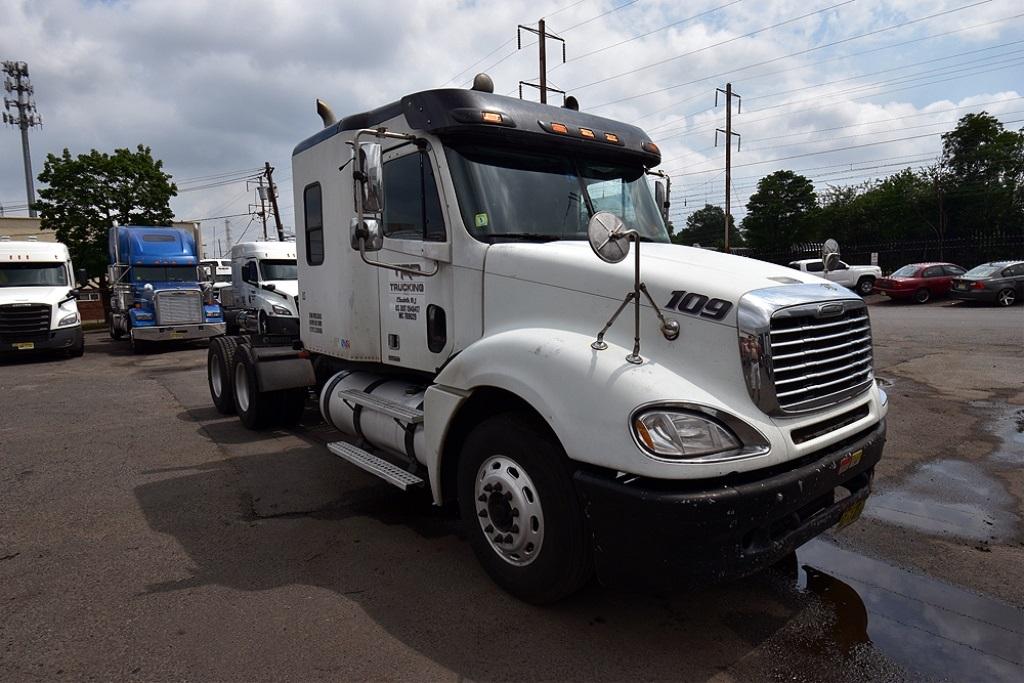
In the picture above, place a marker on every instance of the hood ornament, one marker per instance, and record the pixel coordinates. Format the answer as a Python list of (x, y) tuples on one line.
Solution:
[(609, 238)]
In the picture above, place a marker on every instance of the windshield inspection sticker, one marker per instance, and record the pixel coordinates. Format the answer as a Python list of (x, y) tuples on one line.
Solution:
[(480, 220)]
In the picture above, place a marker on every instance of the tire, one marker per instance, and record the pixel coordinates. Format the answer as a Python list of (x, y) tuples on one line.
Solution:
[(291, 404), (254, 409), (113, 330), (922, 295), (523, 474), (865, 285), (138, 346), (219, 361), (1006, 297), (79, 350)]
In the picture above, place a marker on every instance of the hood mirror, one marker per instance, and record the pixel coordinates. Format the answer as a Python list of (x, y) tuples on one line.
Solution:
[(609, 237), (830, 254)]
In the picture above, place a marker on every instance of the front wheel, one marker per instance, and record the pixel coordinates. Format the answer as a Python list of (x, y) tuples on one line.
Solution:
[(520, 510), (922, 295), (865, 285), (114, 330), (1006, 297)]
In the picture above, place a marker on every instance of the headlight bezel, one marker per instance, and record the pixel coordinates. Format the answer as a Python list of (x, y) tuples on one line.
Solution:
[(751, 442), (69, 320), (280, 310)]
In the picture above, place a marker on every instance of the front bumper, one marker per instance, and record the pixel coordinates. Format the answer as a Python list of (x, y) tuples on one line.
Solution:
[(677, 533), (61, 338), (896, 293), (178, 332)]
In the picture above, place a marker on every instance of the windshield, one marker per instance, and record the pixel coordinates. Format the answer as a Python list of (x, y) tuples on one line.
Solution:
[(984, 270), (33, 275), (506, 194), (164, 274), (279, 269), (905, 271)]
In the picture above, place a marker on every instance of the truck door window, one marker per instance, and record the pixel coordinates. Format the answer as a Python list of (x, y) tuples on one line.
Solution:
[(815, 267), (249, 273), (412, 210), (312, 205)]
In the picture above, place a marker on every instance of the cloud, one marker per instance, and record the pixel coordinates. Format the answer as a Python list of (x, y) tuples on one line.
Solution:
[(217, 87)]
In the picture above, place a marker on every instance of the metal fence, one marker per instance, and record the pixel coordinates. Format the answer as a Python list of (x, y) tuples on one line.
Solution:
[(966, 252)]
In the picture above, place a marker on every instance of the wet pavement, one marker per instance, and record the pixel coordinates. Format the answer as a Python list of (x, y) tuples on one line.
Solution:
[(143, 536)]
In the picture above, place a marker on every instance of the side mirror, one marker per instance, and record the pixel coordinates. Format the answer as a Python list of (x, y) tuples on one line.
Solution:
[(662, 198), (830, 254), (371, 179), (270, 288), (367, 229)]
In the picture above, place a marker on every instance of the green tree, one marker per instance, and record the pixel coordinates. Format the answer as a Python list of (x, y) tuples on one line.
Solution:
[(779, 213), (706, 227), (86, 195)]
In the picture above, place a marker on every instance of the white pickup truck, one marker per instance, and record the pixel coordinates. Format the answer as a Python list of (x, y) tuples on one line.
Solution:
[(860, 279)]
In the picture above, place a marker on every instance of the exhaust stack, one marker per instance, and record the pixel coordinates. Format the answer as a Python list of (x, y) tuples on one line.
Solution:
[(326, 113)]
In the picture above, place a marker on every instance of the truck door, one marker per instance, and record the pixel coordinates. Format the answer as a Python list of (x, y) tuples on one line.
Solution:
[(416, 316), (250, 282)]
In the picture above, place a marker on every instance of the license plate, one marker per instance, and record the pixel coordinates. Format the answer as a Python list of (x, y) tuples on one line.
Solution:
[(850, 460), (851, 515), (177, 335), (24, 346), (961, 286)]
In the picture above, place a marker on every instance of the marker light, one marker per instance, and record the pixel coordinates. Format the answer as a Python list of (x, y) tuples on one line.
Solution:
[(491, 117), (611, 137), (587, 133), (559, 128), (651, 147)]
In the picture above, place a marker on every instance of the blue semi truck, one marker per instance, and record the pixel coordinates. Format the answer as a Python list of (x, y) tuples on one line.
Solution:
[(156, 294)]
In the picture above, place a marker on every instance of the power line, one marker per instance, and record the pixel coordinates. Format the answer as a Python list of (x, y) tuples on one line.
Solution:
[(714, 45), (602, 14), (822, 47)]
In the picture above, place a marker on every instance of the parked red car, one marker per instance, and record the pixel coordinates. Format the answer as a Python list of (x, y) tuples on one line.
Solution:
[(919, 281)]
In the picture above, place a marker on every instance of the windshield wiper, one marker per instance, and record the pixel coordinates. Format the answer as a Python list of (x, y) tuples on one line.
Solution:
[(523, 237)]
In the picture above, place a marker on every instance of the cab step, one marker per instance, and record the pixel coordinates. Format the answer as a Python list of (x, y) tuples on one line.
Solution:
[(382, 405), (389, 472)]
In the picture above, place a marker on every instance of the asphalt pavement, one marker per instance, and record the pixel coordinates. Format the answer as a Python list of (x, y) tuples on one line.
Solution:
[(143, 536)]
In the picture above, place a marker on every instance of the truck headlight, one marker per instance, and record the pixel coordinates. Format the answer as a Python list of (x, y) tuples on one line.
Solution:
[(68, 320), (280, 310), (682, 436)]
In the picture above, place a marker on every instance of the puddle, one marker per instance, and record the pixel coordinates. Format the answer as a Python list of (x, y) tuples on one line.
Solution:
[(1010, 432), (925, 625), (949, 497)]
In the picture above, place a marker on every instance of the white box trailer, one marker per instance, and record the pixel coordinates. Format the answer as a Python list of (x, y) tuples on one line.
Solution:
[(456, 281)]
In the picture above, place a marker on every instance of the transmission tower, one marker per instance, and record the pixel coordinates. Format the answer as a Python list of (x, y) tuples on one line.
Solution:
[(728, 132), (21, 112), (542, 59)]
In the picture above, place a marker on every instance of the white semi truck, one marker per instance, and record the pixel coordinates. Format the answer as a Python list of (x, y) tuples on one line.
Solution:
[(38, 308), (263, 290), (460, 284)]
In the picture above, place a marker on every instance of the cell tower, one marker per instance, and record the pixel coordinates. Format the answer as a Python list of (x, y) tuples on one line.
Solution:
[(21, 112)]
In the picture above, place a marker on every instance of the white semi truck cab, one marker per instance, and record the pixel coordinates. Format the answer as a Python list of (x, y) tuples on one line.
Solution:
[(263, 290), (38, 309), (461, 281)]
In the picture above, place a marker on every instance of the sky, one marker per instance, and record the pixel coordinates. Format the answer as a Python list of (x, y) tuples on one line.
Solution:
[(842, 91)]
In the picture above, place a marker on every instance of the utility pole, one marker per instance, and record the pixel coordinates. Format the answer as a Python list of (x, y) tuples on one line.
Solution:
[(227, 231), (272, 190), (262, 192), (729, 94), (542, 57), (26, 116)]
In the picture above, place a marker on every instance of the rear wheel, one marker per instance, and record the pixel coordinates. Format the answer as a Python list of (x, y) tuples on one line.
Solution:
[(520, 510), (219, 361), (254, 408), (922, 295), (1006, 297), (115, 332), (865, 285)]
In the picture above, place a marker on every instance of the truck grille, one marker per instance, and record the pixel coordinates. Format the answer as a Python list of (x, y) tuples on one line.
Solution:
[(24, 322), (818, 360), (179, 307)]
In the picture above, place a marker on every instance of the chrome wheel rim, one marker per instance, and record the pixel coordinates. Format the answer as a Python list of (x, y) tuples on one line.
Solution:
[(242, 387), (1006, 298), (509, 510), (217, 376)]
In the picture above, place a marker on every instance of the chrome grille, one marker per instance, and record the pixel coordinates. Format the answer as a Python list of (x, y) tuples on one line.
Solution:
[(182, 307), (818, 360), (24, 322)]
